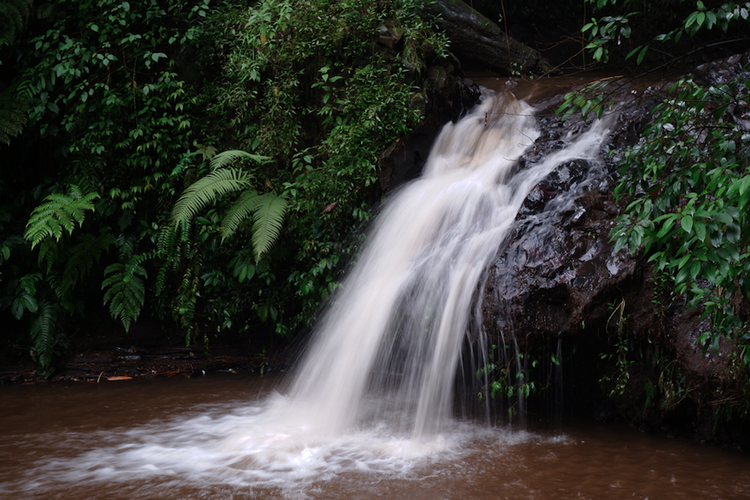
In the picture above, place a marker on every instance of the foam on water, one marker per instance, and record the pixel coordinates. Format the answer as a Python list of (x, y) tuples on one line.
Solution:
[(266, 445)]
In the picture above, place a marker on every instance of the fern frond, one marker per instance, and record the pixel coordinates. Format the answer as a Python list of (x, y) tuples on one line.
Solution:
[(42, 334), (207, 190), (13, 14), (227, 157), (83, 256), (240, 210), (58, 214), (48, 254), (126, 244), (161, 279), (267, 222), (12, 114), (124, 291)]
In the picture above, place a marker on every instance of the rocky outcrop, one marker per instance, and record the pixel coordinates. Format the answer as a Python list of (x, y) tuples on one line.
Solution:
[(632, 345), (482, 44), (558, 271)]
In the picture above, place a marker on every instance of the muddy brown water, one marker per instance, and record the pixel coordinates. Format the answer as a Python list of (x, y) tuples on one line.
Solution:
[(153, 440)]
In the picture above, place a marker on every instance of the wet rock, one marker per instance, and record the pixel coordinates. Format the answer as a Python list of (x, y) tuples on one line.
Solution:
[(557, 277), (724, 71), (558, 270)]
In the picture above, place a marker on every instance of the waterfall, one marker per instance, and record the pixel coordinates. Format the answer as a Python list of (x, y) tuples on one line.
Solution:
[(374, 392), (389, 346)]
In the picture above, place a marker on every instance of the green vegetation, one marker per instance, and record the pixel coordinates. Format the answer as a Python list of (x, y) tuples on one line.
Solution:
[(635, 28), (619, 360), (112, 114), (510, 374), (686, 182)]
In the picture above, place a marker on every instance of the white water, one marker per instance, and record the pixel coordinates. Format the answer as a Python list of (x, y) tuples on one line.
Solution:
[(397, 327), (374, 391)]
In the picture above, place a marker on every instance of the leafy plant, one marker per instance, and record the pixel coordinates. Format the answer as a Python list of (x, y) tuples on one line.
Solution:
[(12, 114), (44, 337), (616, 29), (507, 374), (123, 286), (621, 361), (60, 213), (119, 101), (688, 186), (13, 14), (267, 209)]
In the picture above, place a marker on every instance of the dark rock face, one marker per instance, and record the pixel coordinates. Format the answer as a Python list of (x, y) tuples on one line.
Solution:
[(723, 71), (558, 277), (558, 271), (448, 95)]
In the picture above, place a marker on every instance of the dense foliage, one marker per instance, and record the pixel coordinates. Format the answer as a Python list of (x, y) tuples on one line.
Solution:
[(635, 28), (686, 181), (126, 104), (688, 184)]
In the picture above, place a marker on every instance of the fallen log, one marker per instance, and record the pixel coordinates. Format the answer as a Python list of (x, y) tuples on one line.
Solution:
[(477, 40)]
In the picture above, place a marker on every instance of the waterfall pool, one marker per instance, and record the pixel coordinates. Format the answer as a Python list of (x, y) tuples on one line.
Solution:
[(203, 439)]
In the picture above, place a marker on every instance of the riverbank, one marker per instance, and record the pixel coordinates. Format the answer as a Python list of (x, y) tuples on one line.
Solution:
[(142, 355)]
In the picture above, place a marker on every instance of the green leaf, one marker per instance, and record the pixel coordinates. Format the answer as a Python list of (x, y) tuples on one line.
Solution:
[(227, 157), (695, 269), (43, 336), (700, 18), (687, 224), (124, 290), (207, 191), (700, 230), (642, 54), (60, 213), (268, 218)]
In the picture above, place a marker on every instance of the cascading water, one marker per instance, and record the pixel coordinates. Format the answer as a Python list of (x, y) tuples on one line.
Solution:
[(374, 390), (398, 325)]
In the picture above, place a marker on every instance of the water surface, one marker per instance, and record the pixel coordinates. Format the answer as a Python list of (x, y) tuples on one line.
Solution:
[(212, 438)]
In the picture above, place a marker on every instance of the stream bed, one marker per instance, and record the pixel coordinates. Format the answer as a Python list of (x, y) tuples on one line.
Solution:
[(201, 438)]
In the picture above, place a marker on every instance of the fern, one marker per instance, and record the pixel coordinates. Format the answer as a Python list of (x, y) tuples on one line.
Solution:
[(227, 157), (43, 338), (124, 290), (268, 219), (207, 190), (60, 213), (83, 256), (267, 209), (13, 14), (12, 114)]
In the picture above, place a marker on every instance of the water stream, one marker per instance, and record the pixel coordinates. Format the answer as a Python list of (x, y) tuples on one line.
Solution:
[(369, 411)]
